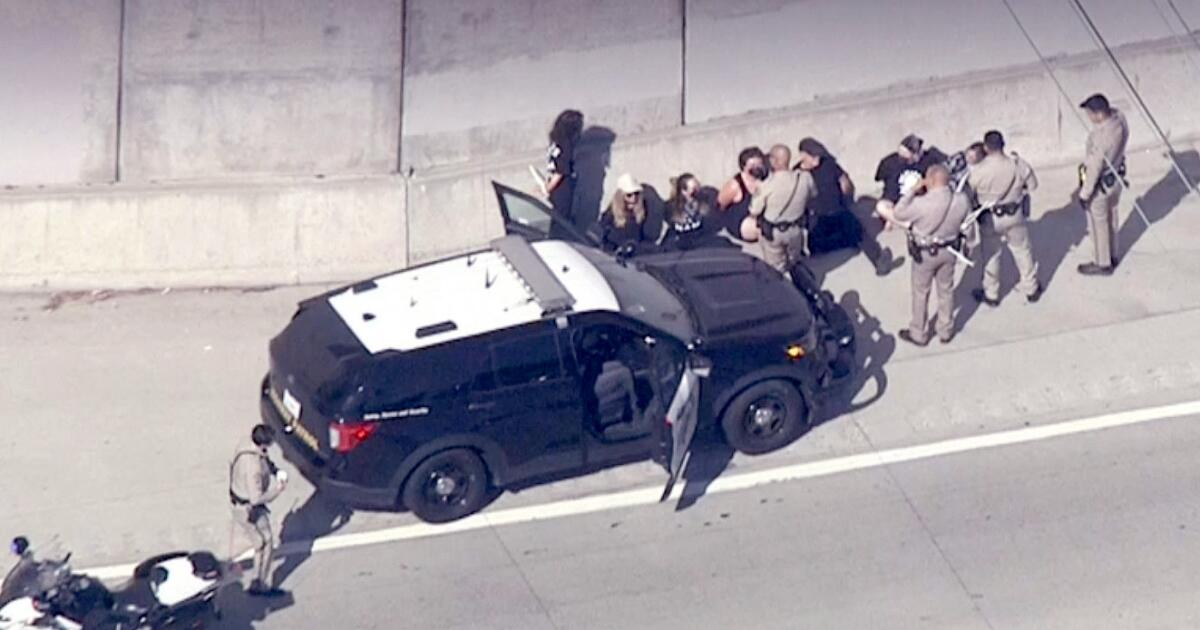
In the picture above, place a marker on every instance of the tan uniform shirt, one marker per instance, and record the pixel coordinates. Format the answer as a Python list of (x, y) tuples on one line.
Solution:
[(1001, 179), (771, 201), (936, 216), (1106, 141), (250, 478)]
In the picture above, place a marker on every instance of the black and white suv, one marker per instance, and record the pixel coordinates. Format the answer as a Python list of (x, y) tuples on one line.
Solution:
[(426, 387)]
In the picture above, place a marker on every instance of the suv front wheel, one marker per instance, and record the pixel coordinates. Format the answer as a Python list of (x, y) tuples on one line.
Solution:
[(766, 416), (446, 486)]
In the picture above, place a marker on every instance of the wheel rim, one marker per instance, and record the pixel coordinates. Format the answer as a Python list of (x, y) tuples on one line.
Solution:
[(447, 486), (765, 417)]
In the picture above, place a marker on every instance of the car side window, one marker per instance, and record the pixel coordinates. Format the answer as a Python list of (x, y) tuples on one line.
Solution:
[(525, 361)]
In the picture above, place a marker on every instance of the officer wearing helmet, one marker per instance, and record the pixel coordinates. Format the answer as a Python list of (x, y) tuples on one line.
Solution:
[(22, 571)]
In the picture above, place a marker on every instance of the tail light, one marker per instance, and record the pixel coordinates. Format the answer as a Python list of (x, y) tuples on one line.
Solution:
[(346, 436)]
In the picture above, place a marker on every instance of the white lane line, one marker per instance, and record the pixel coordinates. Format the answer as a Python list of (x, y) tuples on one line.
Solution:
[(732, 483)]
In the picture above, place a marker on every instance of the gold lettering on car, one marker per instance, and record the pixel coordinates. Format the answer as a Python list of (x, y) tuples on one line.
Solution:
[(291, 424)]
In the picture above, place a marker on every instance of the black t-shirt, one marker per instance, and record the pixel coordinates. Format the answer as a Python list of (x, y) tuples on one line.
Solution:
[(828, 178), (560, 159), (893, 166), (614, 236)]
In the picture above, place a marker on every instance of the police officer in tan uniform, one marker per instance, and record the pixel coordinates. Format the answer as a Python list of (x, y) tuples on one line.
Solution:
[(1002, 184), (934, 223), (780, 205), (1102, 175), (255, 481)]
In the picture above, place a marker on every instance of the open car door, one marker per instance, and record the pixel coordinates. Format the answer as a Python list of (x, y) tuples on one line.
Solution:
[(530, 217), (682, 417)]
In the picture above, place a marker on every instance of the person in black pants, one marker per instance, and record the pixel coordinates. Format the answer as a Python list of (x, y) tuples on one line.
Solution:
[(560, 162), (833, 225)]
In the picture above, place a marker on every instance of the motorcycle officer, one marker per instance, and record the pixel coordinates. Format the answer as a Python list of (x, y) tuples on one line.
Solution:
[(255, 481), (25, 563)]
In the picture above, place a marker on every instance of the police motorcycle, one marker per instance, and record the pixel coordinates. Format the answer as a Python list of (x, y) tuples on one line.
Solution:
[(173, 590)]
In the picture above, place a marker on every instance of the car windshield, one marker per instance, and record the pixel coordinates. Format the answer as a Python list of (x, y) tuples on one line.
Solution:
[(642, 296)]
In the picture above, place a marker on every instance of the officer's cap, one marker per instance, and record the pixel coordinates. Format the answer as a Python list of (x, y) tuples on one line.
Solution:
[(1096, 103)]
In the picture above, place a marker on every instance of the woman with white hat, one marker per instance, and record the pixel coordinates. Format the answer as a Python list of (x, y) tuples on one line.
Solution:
[(623, 224)]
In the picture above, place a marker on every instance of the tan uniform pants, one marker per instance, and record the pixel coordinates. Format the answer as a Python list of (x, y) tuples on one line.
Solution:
[(1010, 230), (933, 270), (259, 533), (787, 248), (1102, 222)]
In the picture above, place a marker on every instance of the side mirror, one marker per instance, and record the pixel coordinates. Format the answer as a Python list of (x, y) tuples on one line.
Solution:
[(701, 365)]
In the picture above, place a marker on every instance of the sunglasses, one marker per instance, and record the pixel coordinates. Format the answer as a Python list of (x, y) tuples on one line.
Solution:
[(632, 195)]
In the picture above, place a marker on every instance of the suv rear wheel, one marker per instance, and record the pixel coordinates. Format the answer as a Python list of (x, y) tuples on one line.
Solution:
[(766, 416), (446, 486)]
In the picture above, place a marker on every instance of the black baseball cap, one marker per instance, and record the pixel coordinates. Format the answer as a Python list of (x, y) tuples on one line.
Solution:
[(912, 142), (1096, 103)]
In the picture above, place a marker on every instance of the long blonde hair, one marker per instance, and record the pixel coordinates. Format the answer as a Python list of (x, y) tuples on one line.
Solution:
[(621, 209)]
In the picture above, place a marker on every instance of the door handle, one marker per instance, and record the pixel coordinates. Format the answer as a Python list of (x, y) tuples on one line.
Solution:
[(481, 406)]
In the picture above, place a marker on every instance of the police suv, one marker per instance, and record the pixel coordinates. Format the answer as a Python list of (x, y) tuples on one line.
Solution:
[(428, 387)]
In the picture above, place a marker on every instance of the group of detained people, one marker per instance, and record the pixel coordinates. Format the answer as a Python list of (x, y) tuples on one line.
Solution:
[(793, 209), (979, 196)]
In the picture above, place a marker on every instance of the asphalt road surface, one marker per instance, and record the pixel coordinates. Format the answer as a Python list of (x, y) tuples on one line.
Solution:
[(121, 413), (1094, 530)]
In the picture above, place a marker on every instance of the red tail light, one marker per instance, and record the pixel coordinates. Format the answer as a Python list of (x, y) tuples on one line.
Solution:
[(346, 436)]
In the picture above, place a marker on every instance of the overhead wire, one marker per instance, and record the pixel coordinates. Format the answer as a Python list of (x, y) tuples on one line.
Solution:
[(1180, 37), (1070, 103), (1188, 29), (1143, 109)]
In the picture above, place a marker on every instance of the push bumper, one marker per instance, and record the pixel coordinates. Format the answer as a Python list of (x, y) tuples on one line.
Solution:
[(315, 468)]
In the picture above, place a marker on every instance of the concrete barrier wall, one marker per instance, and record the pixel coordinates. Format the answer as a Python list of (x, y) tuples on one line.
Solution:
[(859, 129), (58, 69), (181, 235), (230, 93), (764, 54), (265, 87), (485, 79)]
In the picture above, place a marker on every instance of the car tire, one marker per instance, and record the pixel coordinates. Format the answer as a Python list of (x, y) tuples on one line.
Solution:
[(765, 417), (446, 486)]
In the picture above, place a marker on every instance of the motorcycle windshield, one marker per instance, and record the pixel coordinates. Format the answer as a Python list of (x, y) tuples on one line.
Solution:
[(28, 578)]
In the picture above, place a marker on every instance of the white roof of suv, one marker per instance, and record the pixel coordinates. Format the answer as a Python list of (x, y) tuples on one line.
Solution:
[(472, 294)]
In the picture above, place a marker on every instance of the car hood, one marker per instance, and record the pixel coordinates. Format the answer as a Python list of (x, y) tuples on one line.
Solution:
[(734, 295)]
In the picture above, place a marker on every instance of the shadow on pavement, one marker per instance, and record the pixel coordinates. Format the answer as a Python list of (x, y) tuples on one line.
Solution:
[(882, 258), (709, 458), (240, 611), (875, 349), (592, 159), (1053, 236), (965, 305), (316, 517), (1159, 200)]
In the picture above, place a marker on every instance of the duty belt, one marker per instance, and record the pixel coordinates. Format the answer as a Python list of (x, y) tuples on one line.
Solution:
[(932, 248), (236, 500), (1005, 209), (784, 226), (1108, 177)]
